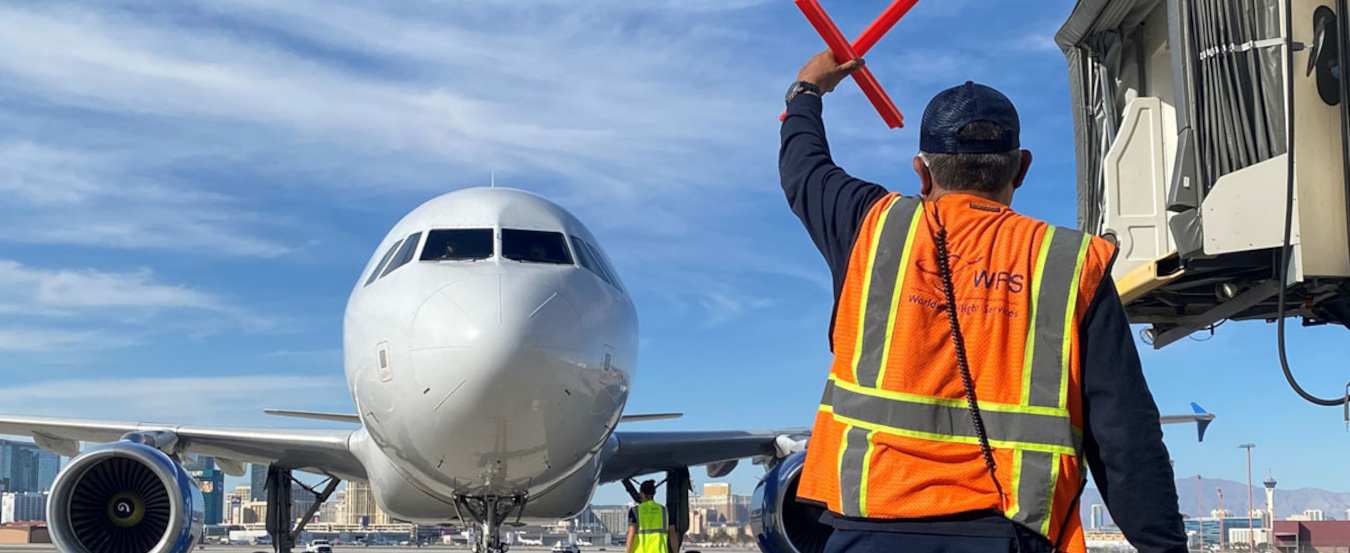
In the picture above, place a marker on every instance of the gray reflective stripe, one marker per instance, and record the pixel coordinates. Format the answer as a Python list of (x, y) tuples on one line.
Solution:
[(1035, 485), (1056, 291), (652, 531), (949, 420), (890, 246), (852, 464)]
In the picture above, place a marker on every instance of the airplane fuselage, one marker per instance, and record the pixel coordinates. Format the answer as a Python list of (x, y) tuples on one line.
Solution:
[(492, 356)]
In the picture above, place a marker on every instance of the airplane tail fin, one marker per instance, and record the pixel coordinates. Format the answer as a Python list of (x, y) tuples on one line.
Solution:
[(1201, 424)]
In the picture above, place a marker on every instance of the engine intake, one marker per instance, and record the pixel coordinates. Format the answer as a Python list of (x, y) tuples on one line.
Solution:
[(125, 497), (781, 523)]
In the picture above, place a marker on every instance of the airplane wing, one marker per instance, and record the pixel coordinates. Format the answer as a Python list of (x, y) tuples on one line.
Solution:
[(310, 450), (638, 453), (1201, 418)]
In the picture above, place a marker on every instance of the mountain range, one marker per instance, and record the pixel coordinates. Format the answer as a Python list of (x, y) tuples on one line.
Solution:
[(1287, 502)]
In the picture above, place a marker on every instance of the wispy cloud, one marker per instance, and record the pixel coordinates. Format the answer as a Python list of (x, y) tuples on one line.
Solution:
[(63, 309), (68, 195), (173, 400)]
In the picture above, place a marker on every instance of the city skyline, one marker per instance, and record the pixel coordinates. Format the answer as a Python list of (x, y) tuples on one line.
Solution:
[(25, 467)]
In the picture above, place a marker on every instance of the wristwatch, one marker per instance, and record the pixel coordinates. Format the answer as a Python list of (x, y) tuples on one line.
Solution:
[(801, 87)]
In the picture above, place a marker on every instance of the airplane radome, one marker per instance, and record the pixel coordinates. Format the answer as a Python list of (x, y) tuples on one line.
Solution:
[(489, 346)]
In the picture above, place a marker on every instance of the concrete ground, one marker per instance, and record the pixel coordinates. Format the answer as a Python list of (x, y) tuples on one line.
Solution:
[(5, 548)]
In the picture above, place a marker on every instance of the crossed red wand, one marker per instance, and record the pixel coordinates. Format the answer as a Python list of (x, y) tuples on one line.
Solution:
[(845, 52)]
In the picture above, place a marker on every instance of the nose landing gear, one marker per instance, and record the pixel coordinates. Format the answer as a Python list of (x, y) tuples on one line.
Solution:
[(489, 512)]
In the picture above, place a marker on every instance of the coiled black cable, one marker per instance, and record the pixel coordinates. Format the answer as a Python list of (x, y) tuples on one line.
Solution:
[(962, 363)]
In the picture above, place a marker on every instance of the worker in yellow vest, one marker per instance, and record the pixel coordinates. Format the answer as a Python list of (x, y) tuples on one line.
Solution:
[(649, 527)]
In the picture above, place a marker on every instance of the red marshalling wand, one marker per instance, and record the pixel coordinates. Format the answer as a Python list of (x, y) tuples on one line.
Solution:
[(845, 52)]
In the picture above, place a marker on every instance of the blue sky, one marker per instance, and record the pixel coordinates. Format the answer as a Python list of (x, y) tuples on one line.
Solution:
[(190, 191)]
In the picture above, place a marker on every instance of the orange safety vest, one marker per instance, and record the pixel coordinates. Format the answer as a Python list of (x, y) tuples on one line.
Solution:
[(893, 438)]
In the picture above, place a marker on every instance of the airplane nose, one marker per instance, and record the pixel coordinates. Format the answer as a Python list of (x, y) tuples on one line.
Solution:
[(496, 313)]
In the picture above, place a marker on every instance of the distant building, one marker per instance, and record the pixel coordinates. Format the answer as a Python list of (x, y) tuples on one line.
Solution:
[(613, 517), (257, 475), (1215, 528), (1098, 517), (716, 489), (361, 507), (234, 504), (212, 483), (23, 507), (1328, 535), (27, 467), (1310, 515), (1245, 535), (726, 508)]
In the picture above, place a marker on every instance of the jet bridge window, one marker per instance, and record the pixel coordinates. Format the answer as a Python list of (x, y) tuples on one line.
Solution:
[(404, 255), (533, 246), (374, 274), (458, 245)]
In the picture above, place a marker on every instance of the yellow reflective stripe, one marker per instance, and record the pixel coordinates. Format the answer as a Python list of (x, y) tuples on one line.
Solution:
[(839, 465), (1004, 444), (1016, 484), (1050, 496), (1068, 321), (866, 473), (867, 286), (959, 403), (896, 297), (1031, 314)]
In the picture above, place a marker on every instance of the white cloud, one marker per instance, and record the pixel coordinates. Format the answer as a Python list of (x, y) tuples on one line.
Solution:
[(31, 340), (62, 195), (64, 288), (562, 90), (100, 309), (174, 400)]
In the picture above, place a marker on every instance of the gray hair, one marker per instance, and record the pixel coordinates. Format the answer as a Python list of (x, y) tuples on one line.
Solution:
[(978, 172)]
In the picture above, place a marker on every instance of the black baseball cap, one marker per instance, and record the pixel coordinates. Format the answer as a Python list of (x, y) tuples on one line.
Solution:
[(648, 487), (955, 108)]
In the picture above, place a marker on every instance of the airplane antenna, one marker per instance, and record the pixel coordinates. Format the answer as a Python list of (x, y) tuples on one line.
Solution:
[(494, 179)]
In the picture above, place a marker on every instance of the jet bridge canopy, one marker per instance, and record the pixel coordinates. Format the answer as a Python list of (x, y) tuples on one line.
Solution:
[(1181, 121)]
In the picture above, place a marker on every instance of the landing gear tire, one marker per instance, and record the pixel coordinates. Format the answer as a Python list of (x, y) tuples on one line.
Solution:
[(489, 513)]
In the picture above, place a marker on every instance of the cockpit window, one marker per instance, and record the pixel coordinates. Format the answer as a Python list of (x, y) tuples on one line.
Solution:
[(588, 260), (594, 261), (374, 274), (534, 246), (458, 245), (404, 255)]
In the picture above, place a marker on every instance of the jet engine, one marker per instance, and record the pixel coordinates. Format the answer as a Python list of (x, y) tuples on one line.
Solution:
[(125, 497), (781, 523)]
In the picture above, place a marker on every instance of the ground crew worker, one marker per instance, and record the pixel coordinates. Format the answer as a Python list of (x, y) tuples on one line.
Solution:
[(649, 527), (981, 356)]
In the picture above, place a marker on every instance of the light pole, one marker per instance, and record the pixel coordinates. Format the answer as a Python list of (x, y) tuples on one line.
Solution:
[(1251, 531), (1222, 537), (1200, 510)]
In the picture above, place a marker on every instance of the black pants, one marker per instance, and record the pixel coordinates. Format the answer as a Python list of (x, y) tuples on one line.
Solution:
[(863, 541)]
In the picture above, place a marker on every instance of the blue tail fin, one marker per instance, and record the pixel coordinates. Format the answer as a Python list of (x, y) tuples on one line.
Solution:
[(1201, 425)]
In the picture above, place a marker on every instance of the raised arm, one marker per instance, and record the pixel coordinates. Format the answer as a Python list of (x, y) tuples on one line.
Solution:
[(829, 202)]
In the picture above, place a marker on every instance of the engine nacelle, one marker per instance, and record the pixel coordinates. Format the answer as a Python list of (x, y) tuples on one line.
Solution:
[(125, 497), (781, 523)]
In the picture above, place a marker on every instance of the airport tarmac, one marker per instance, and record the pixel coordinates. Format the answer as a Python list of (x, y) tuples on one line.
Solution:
[(48, 548)]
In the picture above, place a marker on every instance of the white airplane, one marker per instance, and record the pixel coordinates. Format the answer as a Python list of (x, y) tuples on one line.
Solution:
[(522, 540), (489, 347)]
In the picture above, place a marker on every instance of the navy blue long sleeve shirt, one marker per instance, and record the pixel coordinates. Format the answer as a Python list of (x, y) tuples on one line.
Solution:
[(1122, 435)]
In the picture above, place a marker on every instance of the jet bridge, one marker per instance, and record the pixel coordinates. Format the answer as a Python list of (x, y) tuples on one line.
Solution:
[(1185, 115)]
